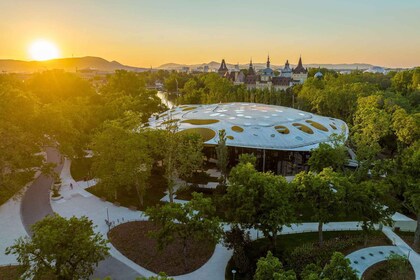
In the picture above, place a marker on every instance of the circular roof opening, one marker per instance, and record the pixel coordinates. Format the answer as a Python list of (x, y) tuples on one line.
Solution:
[(282, 129), (206, 133), (189, 108), (200, 122), (303, 128), (317, 125), (237, 128)]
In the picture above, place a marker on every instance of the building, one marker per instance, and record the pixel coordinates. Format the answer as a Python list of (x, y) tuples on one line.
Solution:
[(280, 137), (266, 78)]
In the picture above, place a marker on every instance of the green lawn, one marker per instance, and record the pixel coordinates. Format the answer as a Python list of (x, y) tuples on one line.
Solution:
[(80, 168)]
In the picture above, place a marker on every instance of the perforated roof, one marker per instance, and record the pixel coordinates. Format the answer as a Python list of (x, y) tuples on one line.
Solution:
[(263, 126)]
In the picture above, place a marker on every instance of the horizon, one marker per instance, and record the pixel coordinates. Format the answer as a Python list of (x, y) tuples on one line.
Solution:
[(151, 33), (211, 61)]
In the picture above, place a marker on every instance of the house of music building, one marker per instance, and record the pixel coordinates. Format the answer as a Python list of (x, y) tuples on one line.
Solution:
[(280, 137), (266, 78)]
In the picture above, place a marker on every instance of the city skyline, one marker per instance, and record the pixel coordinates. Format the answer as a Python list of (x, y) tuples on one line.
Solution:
[(152, 33)]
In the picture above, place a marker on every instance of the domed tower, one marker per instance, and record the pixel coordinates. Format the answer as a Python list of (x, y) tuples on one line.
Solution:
[(267, 73), (286, 71)]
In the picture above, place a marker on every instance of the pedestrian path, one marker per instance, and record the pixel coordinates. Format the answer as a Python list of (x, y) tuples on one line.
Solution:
[(11, 228), (364, 258), (413, 257), (78, 202)]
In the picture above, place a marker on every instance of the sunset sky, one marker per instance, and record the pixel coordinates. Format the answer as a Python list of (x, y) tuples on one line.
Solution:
[(152, 32)]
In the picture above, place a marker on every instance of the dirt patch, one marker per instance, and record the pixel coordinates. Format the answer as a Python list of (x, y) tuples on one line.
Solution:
[(133, 241), (382, 271)]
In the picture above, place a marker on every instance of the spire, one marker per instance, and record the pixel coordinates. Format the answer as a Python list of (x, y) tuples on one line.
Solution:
[(299, 68), (251, 68), (223, 68), (300, 62), (268, 61)]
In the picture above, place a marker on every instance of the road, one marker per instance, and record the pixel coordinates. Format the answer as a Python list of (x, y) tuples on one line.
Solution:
[(36, 205)]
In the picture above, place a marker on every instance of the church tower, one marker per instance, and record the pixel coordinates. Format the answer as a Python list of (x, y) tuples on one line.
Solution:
[(300, 74), (251, 70), (223, 68)]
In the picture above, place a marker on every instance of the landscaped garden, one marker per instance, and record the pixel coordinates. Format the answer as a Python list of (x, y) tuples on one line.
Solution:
[(128, 198), (396, 267), (296, 251), (134, 241)]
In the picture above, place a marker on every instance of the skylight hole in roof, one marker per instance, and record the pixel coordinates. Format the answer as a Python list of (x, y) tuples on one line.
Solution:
[(303, 128)]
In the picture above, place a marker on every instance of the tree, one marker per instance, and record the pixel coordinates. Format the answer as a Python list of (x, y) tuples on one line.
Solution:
[(259, 200), (222, 155), (192, 220), (121, 159), (66, 248), (366, 200), (181, 153), (160, 276), (332, 155), (410, 178), (322, 192), (238, 240), (338, 268), (20, 141), (270, 268)]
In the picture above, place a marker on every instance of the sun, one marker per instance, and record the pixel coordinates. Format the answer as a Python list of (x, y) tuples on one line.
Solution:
[(43, 50)]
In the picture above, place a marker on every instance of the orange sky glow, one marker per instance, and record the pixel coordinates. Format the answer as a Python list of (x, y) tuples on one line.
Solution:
[(150, 33)]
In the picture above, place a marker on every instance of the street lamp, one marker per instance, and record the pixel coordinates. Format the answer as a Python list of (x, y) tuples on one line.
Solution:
[(233, 274)]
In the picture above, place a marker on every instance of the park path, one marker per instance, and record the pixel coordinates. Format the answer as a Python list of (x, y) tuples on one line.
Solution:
[(79, 202), (35, 205)]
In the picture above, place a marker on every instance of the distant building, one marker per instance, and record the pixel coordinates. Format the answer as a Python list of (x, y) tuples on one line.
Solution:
[(223, 69), (376, 70), (318, 75), (266, 78)]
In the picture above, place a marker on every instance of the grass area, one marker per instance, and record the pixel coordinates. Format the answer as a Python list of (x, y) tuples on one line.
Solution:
[(295, 251), (128, 197), (408, 237), (384, 271), (80, 168), (133, 240)]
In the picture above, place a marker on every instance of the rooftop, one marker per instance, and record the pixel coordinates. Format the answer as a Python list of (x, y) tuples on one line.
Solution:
[(252, 125)]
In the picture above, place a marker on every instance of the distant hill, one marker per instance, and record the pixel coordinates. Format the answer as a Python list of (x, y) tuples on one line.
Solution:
[(215, 65), (67, 64)]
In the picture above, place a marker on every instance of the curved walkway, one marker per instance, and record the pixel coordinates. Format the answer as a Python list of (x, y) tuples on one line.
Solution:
[(36, 205), (79, 202), (364, 258)]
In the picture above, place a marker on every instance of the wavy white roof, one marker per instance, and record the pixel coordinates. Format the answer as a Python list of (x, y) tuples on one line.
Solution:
[(253, 125)]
